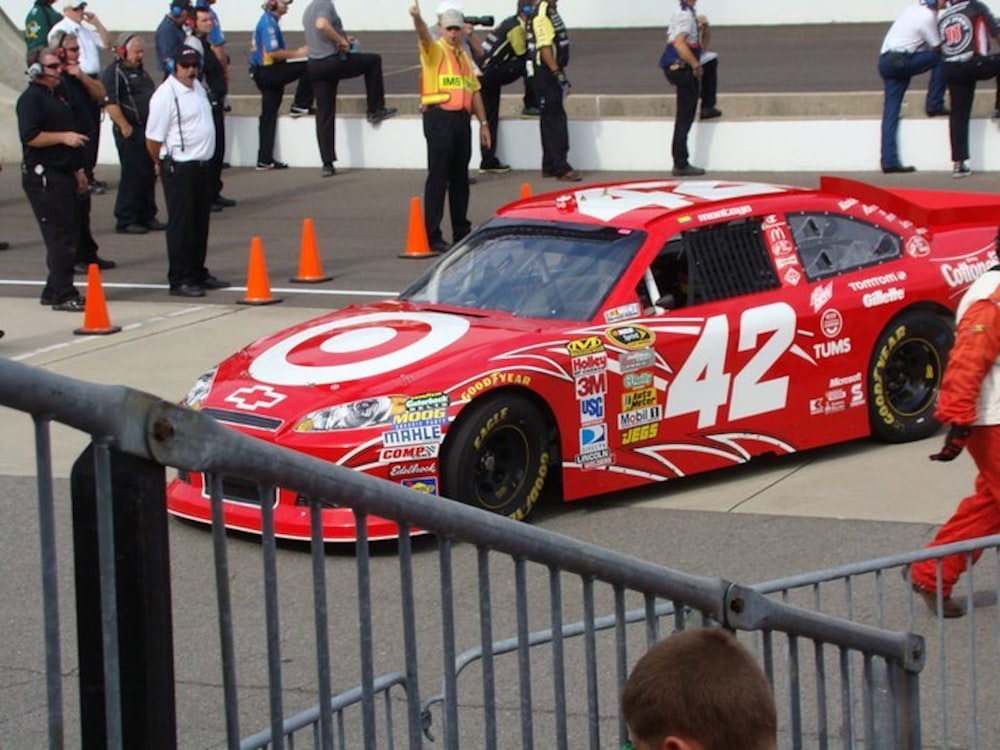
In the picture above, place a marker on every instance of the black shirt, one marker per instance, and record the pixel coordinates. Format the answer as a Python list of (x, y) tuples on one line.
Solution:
[(130, 88), (41, 110), (213, 75)]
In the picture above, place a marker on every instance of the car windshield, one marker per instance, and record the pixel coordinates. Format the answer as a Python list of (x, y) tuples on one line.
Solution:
[(531, 269)]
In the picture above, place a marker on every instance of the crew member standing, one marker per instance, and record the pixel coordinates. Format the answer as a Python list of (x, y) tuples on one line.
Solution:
[(912, 46), (180, 139), (333, 57), (171, 33), (37, 24), (966, 28), (969, 402), (272, 66), (548, 44), (213, 76), (505, 54), (129, 89), (449, 96), (52, 174), (687, 37)]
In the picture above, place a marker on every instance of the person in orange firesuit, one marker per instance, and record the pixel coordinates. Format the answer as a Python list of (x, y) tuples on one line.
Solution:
[(970, 403)]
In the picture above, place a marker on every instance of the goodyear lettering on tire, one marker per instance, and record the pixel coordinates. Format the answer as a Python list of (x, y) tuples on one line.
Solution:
[(536, 489), (885, 411)]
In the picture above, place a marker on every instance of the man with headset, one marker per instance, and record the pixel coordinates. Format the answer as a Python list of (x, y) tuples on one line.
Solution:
[(129, 89), (52, 174), (180, 139), (171, 33)]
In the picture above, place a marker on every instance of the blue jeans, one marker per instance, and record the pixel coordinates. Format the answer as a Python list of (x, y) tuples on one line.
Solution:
[(896, 69)]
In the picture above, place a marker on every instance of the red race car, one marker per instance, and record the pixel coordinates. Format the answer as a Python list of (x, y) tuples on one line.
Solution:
[(592, 340)]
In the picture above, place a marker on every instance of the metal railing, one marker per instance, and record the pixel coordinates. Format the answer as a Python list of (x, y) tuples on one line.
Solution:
[(403, 616)]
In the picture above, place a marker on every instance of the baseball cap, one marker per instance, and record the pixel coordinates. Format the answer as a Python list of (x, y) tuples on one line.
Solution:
[(451, 18), (187, 56), (448, 5), (77, 5)]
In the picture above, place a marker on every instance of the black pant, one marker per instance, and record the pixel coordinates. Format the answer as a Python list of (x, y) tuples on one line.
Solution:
[(689, 91), (492, 81), (552, 123), (215, 168), (91, 147), (271, 80), (961, 79), (325, 75), (136, 200), (449, 147), (86, 246), (187, 188), (50, 195)]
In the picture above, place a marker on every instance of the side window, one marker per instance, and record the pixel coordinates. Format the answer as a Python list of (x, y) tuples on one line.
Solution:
[(830, 244), (709, 264)]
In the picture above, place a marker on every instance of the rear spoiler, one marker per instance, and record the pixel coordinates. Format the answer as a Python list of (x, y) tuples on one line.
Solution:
[(929, 208)]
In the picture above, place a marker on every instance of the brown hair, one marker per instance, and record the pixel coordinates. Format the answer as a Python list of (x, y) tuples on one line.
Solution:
[(703, 685)]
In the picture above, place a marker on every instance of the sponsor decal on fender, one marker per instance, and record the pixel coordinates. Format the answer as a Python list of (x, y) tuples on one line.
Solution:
[(593, 439), (409, 453), (876, 282), (639, 416), (792, 277), (883, 297), (640, 359), (591, 409), (492, 381), (636, 380), (836, 348), (631, 337), (964, 273), (589, 345), (918, 247), (625, 312), (822, 294), (252, 398), (639, 399), (588, 363), (408, 470), (734, 212), (591, 385), (427, 485), (641, 434), (831, 323), (412, 435)]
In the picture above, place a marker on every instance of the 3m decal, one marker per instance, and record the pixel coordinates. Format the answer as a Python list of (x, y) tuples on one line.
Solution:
[(358, 347), (591, 385)]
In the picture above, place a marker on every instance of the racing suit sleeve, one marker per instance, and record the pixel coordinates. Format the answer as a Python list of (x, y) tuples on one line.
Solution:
[(976, 350)]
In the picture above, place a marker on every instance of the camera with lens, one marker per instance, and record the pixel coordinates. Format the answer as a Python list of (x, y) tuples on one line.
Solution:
[(480, 20)]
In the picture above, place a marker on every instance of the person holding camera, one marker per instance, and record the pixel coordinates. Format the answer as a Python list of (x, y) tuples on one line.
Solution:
[(333, 57), (449, 96), (505, 57), (52, 173), (548, 44), (180, 139), (272, 66), (129, 89)]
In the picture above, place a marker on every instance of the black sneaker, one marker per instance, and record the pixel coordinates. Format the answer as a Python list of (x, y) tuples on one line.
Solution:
[(710, 113), (221, 200), (381, 114), (211, 282), (329, 170), (73, 304), (496, 167), (687, 171), (265, 166), (302, 111), (960, 170), (531, 112)]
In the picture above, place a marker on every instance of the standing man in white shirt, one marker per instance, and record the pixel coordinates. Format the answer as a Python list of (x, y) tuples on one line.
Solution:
[(92, 38), (912, 46), (180, 139)]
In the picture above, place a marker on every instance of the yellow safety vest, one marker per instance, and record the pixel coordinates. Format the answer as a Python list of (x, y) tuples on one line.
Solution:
[(446, 78)]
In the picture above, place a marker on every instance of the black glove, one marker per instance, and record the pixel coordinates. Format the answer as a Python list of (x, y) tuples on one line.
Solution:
[(563, 80), (954, 442)]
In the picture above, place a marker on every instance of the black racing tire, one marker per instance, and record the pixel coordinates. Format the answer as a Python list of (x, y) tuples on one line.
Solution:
[(498, 456), (904, 376)]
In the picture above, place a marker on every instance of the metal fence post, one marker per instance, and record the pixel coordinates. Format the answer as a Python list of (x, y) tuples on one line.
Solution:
[(142, 591)]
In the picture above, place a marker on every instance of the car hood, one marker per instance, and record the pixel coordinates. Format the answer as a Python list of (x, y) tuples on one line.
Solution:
[(385, 349)]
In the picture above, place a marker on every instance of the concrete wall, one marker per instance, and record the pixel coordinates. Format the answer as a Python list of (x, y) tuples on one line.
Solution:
[(360, 15)]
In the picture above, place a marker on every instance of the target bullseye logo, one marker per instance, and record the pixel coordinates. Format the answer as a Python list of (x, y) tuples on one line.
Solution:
[(359, 347)]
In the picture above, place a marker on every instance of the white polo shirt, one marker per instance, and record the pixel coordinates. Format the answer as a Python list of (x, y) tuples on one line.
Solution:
[(90, 44), (914, 29), (181, 119)]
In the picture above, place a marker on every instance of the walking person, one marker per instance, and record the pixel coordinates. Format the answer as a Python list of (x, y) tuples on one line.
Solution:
[(548, 45), (52, 174), (911, 46), (272, 67), (180, 139), (966, 27), (334, 56), (449, 96), (969, 402), (129, 88), (504, 61), (694, 80)]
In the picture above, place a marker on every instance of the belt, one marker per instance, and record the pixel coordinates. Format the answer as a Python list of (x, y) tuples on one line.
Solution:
[(192, 163), (439, 108)]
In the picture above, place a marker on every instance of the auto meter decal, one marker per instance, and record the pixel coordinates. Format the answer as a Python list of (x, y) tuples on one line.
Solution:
[(358, 347)]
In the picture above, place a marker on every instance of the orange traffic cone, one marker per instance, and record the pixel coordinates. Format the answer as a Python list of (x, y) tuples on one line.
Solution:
[(95, 311), (258, 285), (525, 190), (310, 266), (416, 238)]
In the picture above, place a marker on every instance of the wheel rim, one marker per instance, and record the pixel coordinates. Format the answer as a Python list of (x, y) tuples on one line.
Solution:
[(500, 469), (912, 375)]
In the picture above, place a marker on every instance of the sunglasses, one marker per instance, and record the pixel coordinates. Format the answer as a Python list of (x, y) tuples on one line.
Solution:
[(52, 66), (72, 49), (187, 65), (453, 28)]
